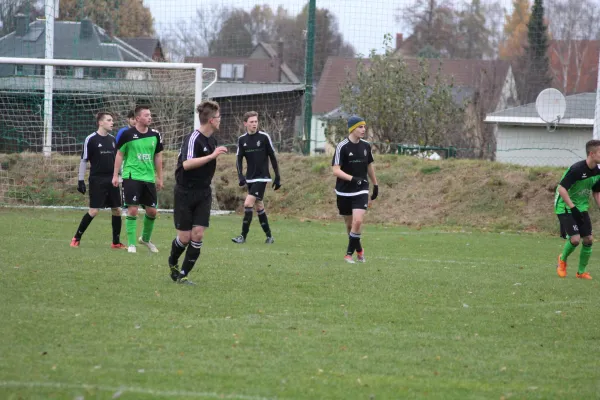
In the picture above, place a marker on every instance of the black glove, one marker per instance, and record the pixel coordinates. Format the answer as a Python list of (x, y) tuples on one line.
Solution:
[(358, 181), (277, 182), (375, 192), (81, 187), (577, 215), (242, 181)]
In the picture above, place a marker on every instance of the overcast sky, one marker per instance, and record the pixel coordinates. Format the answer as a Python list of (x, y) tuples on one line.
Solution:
[(362, 22)]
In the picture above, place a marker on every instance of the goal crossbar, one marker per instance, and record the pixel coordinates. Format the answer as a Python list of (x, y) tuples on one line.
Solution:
[(199, 86)]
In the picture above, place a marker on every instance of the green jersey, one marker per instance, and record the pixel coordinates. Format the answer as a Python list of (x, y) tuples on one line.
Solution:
[(580, 181), (138, 151)]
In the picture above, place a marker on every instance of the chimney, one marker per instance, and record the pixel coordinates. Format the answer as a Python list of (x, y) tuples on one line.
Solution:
[(22, 25), (87, 29), (399, 40), (280, 57)]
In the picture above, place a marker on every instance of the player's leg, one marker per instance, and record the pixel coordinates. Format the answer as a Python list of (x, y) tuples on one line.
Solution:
[(262, 218), (200, 222), (587, 240), (131, 195), (359, 209), (83, 225), (149, 200), (114, 202), (182, 218), (569, 225), (248, 207), (344, 205)]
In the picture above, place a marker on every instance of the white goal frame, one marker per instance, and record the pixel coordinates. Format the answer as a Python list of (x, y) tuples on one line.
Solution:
[(199, 87)]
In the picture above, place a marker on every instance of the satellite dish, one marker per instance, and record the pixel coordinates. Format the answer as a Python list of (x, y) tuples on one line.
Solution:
[(551, 105)]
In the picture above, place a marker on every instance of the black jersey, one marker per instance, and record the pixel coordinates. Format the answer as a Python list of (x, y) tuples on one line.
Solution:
[(196, 145), (100, 151), (257, 149), (353, 159)]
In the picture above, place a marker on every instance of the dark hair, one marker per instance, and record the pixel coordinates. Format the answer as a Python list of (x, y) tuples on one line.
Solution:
[(131, 114), (100, 116), (250, 114), (591, 146), (139, 109), (207, 110)]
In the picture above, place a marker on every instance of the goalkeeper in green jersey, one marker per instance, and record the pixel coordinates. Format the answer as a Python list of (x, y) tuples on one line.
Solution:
[(571, 205), (140, 152)]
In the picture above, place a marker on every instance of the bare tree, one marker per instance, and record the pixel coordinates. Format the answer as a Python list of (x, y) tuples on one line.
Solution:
[(572, 24), (194, 37)]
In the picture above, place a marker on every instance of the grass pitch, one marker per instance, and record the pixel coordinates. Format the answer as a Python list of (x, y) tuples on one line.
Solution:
[(432, 314)]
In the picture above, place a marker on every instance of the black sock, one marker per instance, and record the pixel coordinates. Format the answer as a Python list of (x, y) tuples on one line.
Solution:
[(264, 222), (350, 250), (116, 228), (177, 249), (83, 225), (247, 221), (191, 255), (355, 237)]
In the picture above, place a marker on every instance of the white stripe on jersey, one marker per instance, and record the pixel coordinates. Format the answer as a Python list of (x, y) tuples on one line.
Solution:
[(191, 141), (268, 137), (84, 156), (259, 180), (238, 147), (336, 160), (351, 194)]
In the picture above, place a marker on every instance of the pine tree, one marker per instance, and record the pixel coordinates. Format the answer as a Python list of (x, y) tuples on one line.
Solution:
[(538, 76)]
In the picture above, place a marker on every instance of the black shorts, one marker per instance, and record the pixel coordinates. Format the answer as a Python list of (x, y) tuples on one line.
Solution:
[(103, 194), (571, 228), (346, 204), (191, 208), (139, 193), (257, 189)]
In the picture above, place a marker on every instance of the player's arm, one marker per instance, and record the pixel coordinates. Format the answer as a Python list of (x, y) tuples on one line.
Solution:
[(82, 168), (373, 179), (197, 162), (336, 164), (273, 158), (596, 193), (563, 191), (158, 166), (238, 164), (117, 169)]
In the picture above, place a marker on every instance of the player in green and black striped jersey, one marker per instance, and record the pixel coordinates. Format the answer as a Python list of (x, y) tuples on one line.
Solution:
[(140, 151), (571, 204)]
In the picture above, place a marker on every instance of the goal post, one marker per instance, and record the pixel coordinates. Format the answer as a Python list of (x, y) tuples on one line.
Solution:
[(48, 107)]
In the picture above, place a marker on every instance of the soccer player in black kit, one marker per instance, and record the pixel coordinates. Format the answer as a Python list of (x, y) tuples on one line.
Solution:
[(196, 166), (100, 150), (257, 148), (352, 163)]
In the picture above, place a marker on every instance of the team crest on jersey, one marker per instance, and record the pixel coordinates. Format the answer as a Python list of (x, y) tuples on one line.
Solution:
[(350, 154), (99, 144), (205, 149), (245, 144), (365, 152), (114, 145), (258, 143)]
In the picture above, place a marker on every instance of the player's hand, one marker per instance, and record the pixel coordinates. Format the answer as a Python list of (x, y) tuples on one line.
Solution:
[(219, 150), (242, 181), (159, 184), (277, 182), (577, 215), (81, 187), (115, 181), (358, 181), (375, 192)]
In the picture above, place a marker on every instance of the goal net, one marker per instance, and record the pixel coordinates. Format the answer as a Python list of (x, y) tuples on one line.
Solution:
[(44, 118)]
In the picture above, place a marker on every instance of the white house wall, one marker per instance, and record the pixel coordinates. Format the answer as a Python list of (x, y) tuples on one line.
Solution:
[(535, 146), (318, 140)]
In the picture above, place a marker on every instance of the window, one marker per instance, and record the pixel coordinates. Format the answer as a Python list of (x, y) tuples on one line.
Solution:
[(232, 71), (29, 70)]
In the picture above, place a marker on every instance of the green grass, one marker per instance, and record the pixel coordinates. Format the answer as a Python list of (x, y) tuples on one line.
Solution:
[(432, 314)]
